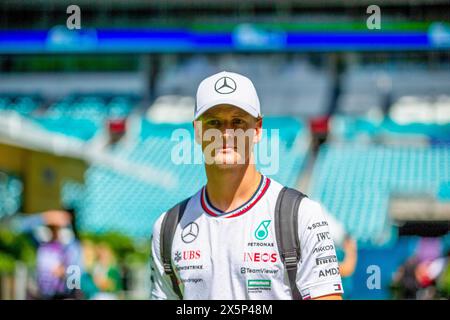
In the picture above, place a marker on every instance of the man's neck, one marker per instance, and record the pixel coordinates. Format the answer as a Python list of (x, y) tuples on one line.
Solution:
[(228, 189)]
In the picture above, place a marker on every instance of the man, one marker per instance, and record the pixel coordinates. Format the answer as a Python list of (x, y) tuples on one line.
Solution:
[(224, 246)]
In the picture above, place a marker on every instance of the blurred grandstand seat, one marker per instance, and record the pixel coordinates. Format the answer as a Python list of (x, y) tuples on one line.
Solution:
[(351, 128), (79, 116), (284, 87), (444, 191), (355, 181), (21, 104), (83, 116), (172, 109), (360, 91), (11, 189)]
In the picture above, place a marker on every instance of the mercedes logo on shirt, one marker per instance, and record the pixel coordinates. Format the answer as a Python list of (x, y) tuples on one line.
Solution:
[(190, 232), (225, 85)]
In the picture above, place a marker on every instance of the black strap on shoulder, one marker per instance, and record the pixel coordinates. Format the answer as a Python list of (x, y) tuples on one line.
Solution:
[(286, 229), (168, 228)]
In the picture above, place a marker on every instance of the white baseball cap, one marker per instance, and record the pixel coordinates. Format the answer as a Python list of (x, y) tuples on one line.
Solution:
[(227, 88)]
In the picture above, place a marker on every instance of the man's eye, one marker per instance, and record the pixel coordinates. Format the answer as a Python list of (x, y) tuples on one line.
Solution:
[(213, 122), (238, 121)]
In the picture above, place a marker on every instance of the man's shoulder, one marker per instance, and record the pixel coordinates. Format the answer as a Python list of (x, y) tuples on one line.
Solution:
[(311, 206), (276, 188), (312, 216), (308, 208), (191, 201)]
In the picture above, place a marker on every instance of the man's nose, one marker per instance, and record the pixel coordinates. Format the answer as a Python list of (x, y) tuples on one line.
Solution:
[(226, 128), (228, 132)]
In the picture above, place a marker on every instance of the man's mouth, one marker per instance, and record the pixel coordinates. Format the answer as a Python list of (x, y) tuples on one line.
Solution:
[(227, 149)]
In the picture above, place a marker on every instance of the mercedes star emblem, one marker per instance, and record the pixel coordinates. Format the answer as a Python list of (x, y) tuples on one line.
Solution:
[(225, 85), (190, 232)]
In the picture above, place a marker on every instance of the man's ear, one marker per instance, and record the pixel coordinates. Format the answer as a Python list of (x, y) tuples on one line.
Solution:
[(258, 130), (197, 131)]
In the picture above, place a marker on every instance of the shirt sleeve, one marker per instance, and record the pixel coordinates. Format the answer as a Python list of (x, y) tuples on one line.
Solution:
[(161, 283), (318, 270)]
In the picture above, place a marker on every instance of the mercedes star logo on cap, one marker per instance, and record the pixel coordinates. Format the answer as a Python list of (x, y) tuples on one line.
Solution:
[(190, 232), (225, 85)]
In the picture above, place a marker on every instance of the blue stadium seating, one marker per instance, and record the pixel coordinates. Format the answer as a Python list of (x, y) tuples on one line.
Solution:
[(11, 192), (21, 104), (78, 116), (83, 116), (351, 128), (355, 181), (444, 191)]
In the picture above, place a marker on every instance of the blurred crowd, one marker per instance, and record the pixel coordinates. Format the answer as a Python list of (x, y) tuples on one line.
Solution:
[(66, 266), (425, 275)]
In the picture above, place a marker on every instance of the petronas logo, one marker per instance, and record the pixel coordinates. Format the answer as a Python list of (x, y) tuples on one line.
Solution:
[(261, 232)]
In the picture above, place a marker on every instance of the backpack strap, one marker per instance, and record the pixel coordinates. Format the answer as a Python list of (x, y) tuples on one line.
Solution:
[(286, 230), (168, 228)]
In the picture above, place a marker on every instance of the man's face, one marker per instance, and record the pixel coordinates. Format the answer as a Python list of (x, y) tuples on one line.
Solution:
[(227, 135)]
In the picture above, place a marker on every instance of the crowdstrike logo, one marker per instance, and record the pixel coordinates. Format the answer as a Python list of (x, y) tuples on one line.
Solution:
[(225, 85)]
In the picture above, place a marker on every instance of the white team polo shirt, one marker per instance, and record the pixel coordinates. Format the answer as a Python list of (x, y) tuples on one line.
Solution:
[(234, 255)]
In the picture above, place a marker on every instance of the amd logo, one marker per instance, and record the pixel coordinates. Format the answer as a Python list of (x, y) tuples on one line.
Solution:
[(328, 272)]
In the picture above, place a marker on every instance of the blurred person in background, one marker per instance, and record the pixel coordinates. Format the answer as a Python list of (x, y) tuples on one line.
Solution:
[(58, 247), (443, 280), (432, 276), (106, 274), (90, 288), (422, 276), (405, 283), (51, 266)]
